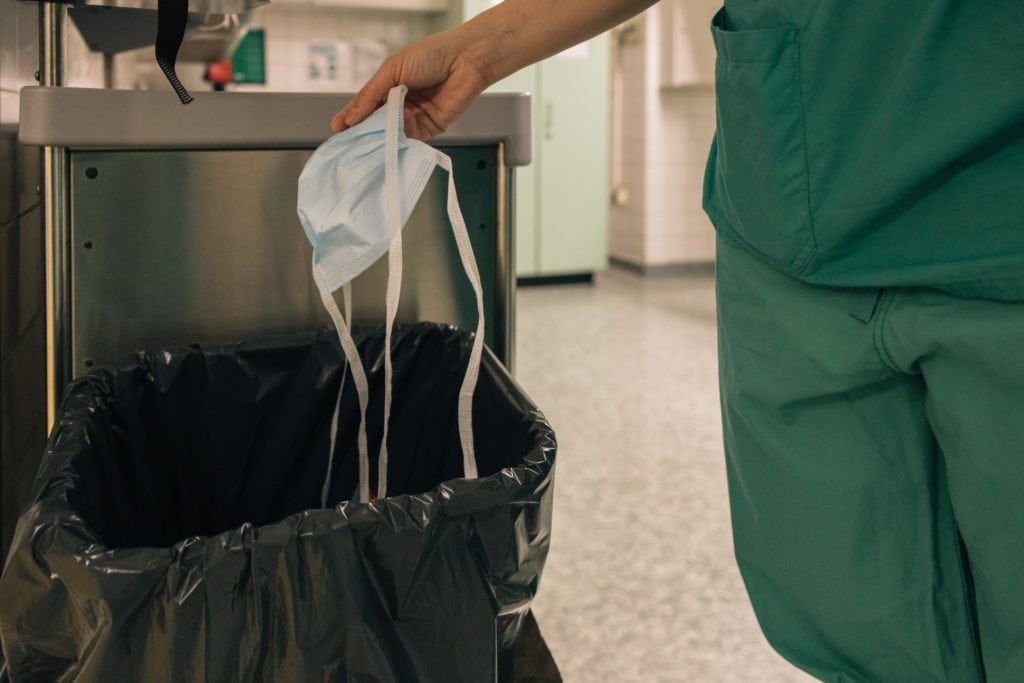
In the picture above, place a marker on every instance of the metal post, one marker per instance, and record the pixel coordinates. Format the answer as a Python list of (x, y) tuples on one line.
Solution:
[(52, 28), (505, 273), (108, 70)]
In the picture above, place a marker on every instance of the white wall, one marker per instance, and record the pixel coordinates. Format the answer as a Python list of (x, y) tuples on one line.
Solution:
[(291, 28), (627, 222), (289, 31), (680, 128), (666, 140)]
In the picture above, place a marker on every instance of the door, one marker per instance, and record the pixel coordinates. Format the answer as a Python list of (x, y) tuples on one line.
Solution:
[(572, 160)]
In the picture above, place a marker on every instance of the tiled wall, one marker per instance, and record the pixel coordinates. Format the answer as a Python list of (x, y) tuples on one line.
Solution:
[(627, 222), (359, 38), (291, 28), (668, 132), (680, 132)]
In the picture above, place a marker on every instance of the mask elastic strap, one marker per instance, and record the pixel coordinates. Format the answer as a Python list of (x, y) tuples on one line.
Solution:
[(465, 410), (348, 345), (393, 204), (476, 353), (394, 292), (346, 294)]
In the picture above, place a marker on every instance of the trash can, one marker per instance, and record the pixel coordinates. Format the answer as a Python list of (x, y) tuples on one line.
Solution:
[(176, 533)]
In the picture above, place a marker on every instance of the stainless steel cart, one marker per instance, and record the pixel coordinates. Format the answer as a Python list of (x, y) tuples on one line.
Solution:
[(166, 225)]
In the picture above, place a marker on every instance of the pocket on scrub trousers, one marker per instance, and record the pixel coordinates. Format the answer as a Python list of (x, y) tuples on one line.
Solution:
[(760, 179)]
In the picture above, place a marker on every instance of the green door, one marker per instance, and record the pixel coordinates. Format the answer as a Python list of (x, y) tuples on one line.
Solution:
[(561, 202), (572, 162)]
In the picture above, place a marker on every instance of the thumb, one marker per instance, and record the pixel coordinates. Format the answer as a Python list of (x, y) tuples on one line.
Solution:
[(369, 98)]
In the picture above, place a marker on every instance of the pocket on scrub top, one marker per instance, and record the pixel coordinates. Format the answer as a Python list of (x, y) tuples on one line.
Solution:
[(759, 183)]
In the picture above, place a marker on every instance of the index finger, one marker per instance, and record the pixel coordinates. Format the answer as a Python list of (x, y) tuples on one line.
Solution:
[(367, 100)]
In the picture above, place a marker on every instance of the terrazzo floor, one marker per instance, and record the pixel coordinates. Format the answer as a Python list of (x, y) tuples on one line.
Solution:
[(640, 584)]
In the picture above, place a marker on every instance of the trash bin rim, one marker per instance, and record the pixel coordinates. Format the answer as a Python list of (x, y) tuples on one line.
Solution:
[(58, 531)]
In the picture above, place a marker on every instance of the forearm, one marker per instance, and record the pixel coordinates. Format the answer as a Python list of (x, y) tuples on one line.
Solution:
[(445, 72), (517, 33)]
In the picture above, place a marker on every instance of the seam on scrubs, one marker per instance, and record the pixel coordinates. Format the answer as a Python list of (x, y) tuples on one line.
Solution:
[(730, 236), (969, 602), (807, 165), (867, 314), (878, 333)]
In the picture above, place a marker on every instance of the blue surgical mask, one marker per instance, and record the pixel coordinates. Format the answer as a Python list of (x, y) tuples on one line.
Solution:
[(342, 199), (356, 193)]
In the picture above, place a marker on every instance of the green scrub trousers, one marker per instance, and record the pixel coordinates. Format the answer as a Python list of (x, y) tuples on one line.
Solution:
[(875, 451)]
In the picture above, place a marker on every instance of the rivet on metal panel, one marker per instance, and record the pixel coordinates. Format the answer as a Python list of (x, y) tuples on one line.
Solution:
[(87, 244), (483, 226), (89, 362), (91, 172), (481, 165)]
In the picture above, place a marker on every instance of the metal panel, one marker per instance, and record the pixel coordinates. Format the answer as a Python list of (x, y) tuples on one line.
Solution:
[(85, 118), (170, 248), (8, 179), (22, 420), (22, 339), (21, 257), (22, 334)]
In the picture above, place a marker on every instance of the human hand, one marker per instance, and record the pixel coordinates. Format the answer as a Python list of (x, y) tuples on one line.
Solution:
[(443, 80)]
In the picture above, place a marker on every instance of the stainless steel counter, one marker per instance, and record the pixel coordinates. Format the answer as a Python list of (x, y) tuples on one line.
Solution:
[(85, 118)]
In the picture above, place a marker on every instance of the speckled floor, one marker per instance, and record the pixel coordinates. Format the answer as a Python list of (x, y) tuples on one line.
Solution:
[(640, 584)]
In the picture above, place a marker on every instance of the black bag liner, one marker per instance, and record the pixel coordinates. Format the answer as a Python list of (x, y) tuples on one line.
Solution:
[(176, 534)]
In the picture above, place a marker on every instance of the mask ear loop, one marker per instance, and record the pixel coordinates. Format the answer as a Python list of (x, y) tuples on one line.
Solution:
[(476, 353), (465, 248), (394, 291), (347, 302), (348, 345)]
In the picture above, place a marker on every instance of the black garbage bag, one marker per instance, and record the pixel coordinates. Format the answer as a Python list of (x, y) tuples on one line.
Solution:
[(176, 534)]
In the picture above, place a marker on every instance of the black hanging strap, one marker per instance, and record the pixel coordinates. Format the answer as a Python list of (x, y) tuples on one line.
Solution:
[(171, 18)]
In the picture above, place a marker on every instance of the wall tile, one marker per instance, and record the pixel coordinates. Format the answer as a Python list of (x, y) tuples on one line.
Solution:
[(676, 126)]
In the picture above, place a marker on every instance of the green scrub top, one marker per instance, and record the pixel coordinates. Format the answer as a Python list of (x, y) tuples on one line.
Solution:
[(873, 143)]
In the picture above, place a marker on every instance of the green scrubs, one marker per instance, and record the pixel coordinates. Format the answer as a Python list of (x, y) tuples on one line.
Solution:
[(873, 142), (867, 431), (867, 185)]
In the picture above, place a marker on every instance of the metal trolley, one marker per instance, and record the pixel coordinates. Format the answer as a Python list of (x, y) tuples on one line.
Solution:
[(166, 225)]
